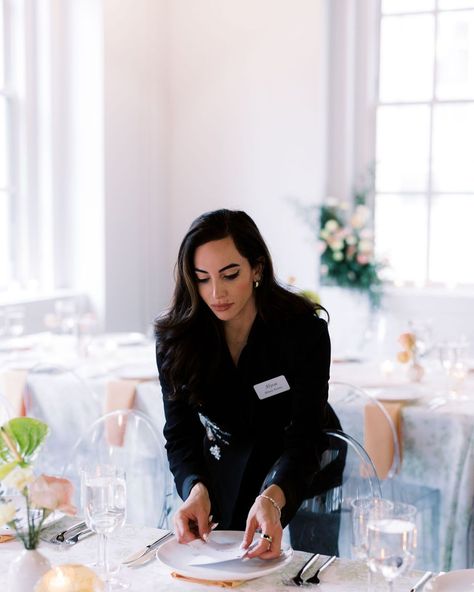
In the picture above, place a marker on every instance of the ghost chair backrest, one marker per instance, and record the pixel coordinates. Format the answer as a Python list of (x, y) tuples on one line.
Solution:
[(66, 403), (127, 439), (358, 412), (323, 522)]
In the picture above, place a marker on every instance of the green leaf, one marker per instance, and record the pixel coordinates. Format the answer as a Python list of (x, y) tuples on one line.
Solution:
[(26, 434), (7, 468)]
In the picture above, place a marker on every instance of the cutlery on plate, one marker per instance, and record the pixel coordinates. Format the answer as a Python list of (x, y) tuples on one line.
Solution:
[(315, 579), (146, 550), (298, 580), (422, 581), (83, 534)]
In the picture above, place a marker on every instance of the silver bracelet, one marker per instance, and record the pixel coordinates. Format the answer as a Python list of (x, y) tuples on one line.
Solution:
[(273, 502)]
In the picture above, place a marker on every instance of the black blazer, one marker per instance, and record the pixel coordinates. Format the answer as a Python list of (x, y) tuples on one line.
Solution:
[(238, 444)]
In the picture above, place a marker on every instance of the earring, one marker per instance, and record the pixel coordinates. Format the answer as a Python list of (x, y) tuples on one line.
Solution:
[(256, 284)]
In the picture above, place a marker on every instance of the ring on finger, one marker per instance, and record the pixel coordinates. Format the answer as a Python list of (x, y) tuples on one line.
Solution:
[(267, 538)]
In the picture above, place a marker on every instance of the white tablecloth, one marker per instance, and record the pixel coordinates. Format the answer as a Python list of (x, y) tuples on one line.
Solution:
[(342, 576)]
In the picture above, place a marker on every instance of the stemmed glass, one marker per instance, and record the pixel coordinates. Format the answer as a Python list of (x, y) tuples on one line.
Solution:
[(103, 491), (361, 509), (452, 356), (391, 541)]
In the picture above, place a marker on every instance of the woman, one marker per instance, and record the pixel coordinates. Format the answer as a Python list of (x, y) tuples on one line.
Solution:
[(244, 369)]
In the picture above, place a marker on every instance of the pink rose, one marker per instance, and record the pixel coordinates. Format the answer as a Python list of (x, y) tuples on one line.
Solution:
[(52, 493), (362, 259)]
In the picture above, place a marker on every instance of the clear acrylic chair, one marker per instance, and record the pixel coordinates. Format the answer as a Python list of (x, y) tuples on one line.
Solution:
[(63, 400), (127, 438), (323, 522), (350, 402)]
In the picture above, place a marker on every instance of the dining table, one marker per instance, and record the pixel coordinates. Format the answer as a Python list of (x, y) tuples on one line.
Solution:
[(436, 431), (436, 434), (344, 575)]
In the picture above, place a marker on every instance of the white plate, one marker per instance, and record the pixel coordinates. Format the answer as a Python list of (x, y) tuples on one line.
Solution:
[(461, 580), (137, 371), (396, 392), (178, 558)]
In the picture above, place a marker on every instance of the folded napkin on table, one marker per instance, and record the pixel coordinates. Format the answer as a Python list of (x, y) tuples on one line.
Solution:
[(378, 435), (120, 395), (220, 583), (12, 386), (4, 538)]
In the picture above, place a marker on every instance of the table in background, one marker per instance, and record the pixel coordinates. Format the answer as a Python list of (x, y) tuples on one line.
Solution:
[(438, 448)]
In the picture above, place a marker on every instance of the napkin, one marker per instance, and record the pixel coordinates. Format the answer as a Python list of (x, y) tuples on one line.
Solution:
[(378, 435), (220, 583), (4, 538), (12, 385), (120, 395)]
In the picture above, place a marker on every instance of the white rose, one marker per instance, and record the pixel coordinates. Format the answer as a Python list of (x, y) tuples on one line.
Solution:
[(336, 245), (365, 246), (337, 256), (331, 225), (7, 513), (19, 478)]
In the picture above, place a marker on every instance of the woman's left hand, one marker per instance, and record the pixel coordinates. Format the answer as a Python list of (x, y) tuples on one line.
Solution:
[(263, 516)]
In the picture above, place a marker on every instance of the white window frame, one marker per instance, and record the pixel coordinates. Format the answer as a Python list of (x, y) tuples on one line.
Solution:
[(32, 215), (429, 193)]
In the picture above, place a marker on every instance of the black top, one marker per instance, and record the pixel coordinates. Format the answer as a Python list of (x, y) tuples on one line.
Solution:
[(238, 444)]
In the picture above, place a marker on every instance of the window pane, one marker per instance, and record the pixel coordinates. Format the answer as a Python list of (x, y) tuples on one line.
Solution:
[(406, 69), (447, 4), (3, 143), (398, 6), (455, 55), (452, 239), (2, 46), (402, 148), (401, 237), (453, 148), (4, 241)]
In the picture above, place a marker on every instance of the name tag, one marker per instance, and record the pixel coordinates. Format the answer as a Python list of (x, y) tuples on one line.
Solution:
[(271, 387)]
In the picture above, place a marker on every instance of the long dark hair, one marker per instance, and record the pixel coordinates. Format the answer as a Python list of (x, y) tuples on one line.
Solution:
[(189, 336)]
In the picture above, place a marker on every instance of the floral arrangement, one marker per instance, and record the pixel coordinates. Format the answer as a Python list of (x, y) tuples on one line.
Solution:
[(346, 244), (20, 440)]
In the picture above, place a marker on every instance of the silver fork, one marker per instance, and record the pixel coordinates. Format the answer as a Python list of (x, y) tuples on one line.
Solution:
[(298, 580)]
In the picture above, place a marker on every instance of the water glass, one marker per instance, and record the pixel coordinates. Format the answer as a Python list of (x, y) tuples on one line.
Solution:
[(361, 508), (392, 540), (453, 358), (104, 502)]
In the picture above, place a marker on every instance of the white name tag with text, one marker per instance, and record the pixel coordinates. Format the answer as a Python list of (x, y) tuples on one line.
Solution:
[(271, 387)]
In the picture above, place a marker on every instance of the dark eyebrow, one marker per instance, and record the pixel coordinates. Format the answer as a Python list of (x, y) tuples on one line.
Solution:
[(230, 266)]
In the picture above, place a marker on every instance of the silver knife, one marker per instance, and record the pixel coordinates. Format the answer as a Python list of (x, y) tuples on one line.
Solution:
[(422, 581), (146, 552)]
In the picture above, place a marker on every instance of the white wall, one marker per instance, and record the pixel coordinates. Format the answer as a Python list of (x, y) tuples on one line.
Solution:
[(247, 96), (135, 154)]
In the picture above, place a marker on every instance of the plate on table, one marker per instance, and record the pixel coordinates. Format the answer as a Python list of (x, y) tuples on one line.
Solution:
[(461, 580), (396, 393), (179, 558)]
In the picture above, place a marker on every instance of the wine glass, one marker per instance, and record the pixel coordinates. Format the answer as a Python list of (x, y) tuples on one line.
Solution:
[(361, 508), (104, 503), (452, 356), (391, 541)]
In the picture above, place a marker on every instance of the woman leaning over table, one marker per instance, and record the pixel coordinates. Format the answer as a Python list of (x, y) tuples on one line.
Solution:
[(244, 369)]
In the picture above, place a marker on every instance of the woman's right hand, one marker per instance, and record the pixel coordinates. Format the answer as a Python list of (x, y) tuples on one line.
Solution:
[(192, 520)]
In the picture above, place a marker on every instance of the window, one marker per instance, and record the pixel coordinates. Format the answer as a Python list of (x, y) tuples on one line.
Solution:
[(6, 181), (424, 202)]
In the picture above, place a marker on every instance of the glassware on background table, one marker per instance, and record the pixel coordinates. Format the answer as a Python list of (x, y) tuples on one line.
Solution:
[(14, 321), (392, 540), (453, 357), (104, 502)]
